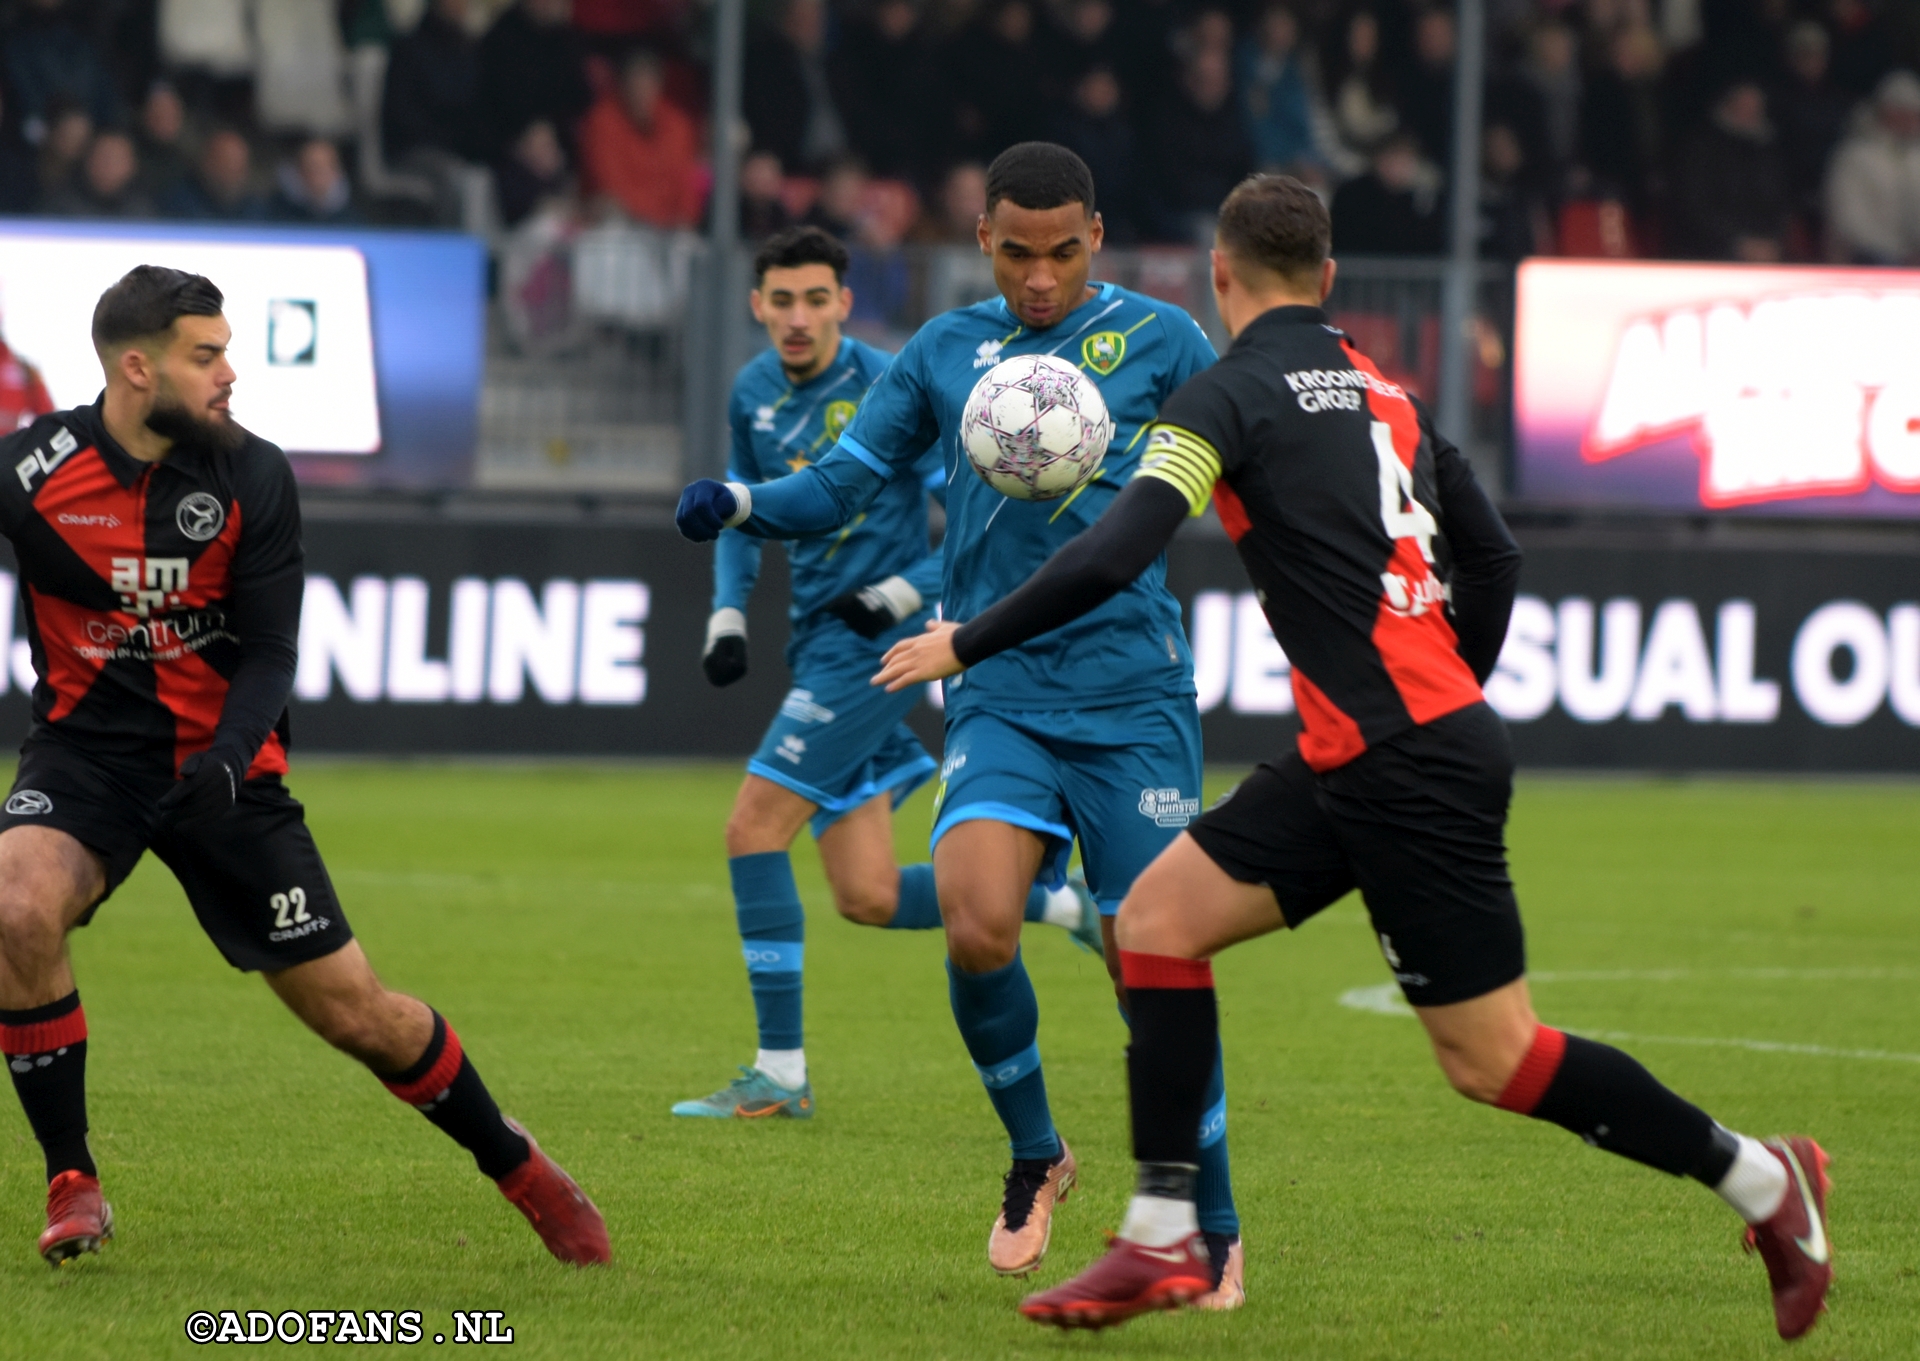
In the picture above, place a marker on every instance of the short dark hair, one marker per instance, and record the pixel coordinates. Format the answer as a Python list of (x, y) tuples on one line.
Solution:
[(147, 300), (1039, 175), (798, 246), (1276, 223)]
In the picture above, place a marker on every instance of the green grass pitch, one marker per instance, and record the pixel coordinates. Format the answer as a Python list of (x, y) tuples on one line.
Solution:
[(575, 925)]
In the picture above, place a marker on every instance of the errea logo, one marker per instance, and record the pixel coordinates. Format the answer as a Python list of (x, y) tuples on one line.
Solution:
[(988, 354), (1168, 808)]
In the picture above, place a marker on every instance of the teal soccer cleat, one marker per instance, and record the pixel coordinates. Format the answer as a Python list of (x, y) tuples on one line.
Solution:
[(1086, 935), (752, 1096)]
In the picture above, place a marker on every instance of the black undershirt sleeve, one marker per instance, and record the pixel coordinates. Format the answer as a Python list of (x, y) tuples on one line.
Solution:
[(1486, 560), (1089, 570)]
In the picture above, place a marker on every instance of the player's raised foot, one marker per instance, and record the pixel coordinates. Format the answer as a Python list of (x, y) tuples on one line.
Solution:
[(1020, 1235), (558, 1209), (1228, 1259), (1131, 1279), (78, 1220), (1794, 1243), (751, 1096), (1087, 934)]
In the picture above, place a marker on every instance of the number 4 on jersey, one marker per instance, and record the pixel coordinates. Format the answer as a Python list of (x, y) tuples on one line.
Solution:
[(1403, 516)]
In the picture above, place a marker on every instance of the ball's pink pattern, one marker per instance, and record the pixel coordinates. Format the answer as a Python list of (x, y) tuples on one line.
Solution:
[(1019, 452)]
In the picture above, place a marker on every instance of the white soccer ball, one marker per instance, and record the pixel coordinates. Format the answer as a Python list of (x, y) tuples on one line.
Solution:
[(1035, 427)]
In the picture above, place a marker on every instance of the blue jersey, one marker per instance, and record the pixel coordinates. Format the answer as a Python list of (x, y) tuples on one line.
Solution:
[(779, 428), (1139, 351)]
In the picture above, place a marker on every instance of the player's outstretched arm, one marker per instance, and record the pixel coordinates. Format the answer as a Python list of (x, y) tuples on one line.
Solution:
[(1486, 560), (1089, 570), (815, 500)]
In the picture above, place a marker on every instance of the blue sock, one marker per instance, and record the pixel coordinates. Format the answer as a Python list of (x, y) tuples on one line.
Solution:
[(999, 1019), (1037, 903), (773, 929), (1213, 1188), (918, 908)]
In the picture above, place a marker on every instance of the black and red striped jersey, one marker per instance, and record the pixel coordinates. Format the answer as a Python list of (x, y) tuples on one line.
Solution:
[(162, 600), (1350, 515)]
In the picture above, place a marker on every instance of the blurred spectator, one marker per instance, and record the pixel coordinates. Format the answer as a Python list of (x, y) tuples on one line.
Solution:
[(300, 79), (1811, 115), (532, 173), (962, 203), (1210, 31), (108, 183), (1620, 121), (1551, 74), (1199, 149), (884, 73), (1096, 127), (50, 59), (1426, 96), (1393, 209), (221, 187), (1730, 183), (312, 187), (433, 79), (19, 174), (163, 153), (1873, 191), (1513, 216), (530, 69), (843, 189), (69, 134), (762, 210), (998, 80), (1359, 94), (788, 99), (1276, 96), (1084, 37), (23, 392), (640, 151), (1862, 47)]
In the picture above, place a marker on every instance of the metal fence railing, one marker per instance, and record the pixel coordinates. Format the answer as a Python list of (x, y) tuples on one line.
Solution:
[(601, 375)]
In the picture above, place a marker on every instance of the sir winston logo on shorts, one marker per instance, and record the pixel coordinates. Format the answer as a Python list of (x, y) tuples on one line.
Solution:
[(1167, 808)]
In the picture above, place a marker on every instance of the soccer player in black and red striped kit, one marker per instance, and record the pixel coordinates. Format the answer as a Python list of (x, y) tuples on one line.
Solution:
[(1388, 578), (161, 572)]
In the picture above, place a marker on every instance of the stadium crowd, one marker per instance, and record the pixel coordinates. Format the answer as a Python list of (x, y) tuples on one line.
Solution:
[(1715, 129)]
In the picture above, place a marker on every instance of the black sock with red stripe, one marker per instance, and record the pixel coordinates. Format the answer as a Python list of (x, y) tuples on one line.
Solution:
[(1176, 1036), (445, 1087), (1608, 1099), (46, 1051)]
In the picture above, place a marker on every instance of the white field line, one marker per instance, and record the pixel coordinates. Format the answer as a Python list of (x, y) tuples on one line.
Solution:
[(1384, 999)]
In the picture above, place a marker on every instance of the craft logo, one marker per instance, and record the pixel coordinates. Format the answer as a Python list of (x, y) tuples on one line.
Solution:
[(839, 414), (293, 332), (1102, 353), (1810, 394)]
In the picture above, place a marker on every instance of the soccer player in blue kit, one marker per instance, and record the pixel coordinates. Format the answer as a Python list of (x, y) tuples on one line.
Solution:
[(838, 756), (1071, 735)]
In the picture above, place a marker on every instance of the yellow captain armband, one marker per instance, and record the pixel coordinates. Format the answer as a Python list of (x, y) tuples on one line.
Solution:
[(1183, 459)]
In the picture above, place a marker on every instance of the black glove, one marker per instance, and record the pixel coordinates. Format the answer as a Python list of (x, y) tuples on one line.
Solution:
[(726, 661), (873, 609), (209, 784), (725, 657)]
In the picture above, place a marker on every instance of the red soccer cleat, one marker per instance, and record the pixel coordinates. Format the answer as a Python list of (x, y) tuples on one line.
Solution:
[(1131, 1279), (558, 1209), (1794, 1243), (77, 1219)]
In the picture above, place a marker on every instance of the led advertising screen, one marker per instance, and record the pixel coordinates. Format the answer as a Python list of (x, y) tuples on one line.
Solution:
[(1727, 388), (358, 352)]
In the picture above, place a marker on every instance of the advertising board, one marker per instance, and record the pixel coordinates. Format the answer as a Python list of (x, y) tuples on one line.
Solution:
[(358, 352), (1737, 389)]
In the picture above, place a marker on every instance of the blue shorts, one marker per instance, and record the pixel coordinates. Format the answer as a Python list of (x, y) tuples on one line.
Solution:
[(1125, 780), (838, 742)]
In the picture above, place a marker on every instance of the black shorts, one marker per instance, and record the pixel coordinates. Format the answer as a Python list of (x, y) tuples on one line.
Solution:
[(254, 877), (1417, 824)]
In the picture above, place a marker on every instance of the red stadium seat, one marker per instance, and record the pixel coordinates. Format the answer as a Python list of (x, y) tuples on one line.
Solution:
[(1598, 229)]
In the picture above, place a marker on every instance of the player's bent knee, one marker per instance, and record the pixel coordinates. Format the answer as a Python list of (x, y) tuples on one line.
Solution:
[(1477, 1075), (868, 904), (976, 949)]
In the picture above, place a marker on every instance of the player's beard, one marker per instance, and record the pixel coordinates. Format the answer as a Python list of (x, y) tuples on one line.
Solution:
[(172, 418)]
